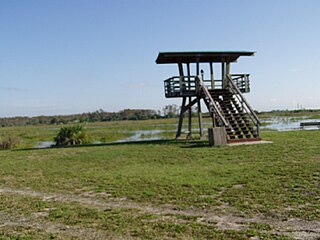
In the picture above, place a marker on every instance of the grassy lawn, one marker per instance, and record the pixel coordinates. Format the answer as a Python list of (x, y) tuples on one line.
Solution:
[(159, 189)]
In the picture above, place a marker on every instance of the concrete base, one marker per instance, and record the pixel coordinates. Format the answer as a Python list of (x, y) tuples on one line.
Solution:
[(217, 136)]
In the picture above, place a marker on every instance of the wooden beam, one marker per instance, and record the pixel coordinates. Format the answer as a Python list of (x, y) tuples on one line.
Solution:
[(190, 107), (227, 68), (194, 101), (183, 109), (200, 117), (197, 68), (181, 117), (189, 75), (212, 76), (181, 76), (214, 122), (227, 72), (189, 120), (223, 75)]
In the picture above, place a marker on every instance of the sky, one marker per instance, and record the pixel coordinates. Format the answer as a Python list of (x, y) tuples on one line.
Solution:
[(74, 56)]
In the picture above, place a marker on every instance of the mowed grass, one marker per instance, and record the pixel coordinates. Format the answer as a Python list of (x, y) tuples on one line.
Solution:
[(278, 180)]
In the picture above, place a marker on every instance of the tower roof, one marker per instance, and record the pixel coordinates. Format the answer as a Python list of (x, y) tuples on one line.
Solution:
[(193, 57)]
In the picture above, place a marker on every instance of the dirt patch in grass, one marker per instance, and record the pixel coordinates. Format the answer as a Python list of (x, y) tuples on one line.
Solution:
[(15, 224), (297, 228)]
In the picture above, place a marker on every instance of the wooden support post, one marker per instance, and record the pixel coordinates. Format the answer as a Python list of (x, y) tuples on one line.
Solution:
[(197, 68), (213, 87), (212, 76), (193, 102), (181, 80), (228, 68), (181, 117), (189, 136), (223, 75), (199, 103), (227, 73), (214, 124), (200, 117), (189, 76)]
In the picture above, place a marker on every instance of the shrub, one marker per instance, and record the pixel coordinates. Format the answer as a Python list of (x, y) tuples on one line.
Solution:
[(8, 142), (71, 135)]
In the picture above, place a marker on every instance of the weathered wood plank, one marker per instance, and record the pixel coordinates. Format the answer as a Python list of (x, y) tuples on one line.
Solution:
[(212, 76), (309, 124), (200, 117), (181, 117), (181, 76), (190, 108)]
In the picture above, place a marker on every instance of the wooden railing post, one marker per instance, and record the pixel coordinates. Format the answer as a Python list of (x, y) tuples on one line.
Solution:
[(212, 76), (197, 85), (181, 77)]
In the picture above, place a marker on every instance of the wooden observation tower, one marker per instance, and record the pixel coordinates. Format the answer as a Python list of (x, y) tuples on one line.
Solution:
[(223, 97)]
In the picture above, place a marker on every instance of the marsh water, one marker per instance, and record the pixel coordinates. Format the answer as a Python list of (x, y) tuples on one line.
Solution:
[(141, 135), (268, 124), (286, 123), (45, 144)]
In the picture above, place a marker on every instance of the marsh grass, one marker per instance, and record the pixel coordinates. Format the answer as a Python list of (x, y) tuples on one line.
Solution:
[(8, 142)]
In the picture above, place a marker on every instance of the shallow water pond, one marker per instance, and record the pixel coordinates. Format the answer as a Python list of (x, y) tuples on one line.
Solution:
[(142, 135), (286, 123), (45, 144), (168, 130)]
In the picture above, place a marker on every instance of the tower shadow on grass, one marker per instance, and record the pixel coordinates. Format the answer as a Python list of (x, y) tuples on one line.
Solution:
[(182, 143)]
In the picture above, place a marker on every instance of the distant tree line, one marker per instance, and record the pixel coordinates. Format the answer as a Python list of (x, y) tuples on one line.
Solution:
[(168, 111)]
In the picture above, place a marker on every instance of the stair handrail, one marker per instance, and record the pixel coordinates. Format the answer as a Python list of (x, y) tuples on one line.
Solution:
[(234, 87), (203, 87)]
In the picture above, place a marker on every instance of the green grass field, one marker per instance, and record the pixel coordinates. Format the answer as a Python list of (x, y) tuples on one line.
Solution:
[(162, 189)]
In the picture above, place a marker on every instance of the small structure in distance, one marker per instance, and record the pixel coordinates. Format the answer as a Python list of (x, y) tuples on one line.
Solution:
[(233, 119)]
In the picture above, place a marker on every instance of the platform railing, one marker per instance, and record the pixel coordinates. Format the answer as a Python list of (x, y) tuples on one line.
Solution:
[(174, 87), (242, 82), (186, 86)]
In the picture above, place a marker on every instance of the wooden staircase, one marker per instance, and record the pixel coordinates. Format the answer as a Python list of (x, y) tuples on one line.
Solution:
[(229, 109), (240, 126)]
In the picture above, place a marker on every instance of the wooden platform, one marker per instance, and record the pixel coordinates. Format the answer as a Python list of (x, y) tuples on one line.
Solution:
[(309, 124)]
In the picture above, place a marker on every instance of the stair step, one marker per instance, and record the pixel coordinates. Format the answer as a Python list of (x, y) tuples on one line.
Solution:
[(240, 125)]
